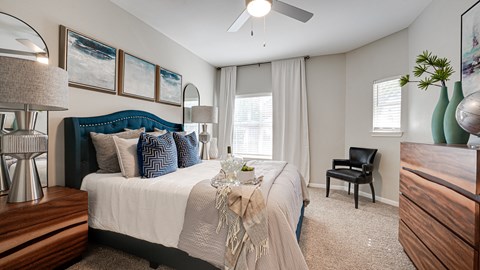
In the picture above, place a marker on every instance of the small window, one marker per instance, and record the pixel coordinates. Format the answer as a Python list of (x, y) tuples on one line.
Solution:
[(387, 106), (252, 126)]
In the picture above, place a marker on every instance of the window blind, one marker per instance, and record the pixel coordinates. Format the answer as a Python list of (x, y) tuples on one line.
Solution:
[(252, 126), (387, 105)]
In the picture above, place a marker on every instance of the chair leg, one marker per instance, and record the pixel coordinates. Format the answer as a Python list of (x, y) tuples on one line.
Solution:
[(373, 192), (328, 185), (349, 188), (355, 194)]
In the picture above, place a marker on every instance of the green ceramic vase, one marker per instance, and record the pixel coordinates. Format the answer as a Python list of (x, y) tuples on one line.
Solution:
[(454, 134), (438, 115)]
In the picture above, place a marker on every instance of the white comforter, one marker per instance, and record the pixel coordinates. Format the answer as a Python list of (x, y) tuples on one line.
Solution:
[(149, 209)]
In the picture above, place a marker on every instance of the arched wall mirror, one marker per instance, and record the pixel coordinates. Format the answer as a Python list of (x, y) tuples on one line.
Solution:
[(191, 97), (20, 40)]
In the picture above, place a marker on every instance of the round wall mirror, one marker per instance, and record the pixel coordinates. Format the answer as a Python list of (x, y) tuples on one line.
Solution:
[(191, 97), (20, 40)]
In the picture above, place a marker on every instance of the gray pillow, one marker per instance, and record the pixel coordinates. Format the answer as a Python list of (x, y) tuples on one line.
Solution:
[(127, 156), (107, 158)]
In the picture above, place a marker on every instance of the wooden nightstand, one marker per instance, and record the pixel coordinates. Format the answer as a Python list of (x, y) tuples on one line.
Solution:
[(44, 234)]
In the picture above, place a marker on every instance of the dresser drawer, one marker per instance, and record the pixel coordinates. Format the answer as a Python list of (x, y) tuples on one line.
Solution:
[(457, 165), (444, 244), (450, 208), (420, 255), (26, 221), (49, 253)]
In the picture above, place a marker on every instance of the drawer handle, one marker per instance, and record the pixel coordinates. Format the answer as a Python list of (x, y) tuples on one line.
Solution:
[(446, 184)]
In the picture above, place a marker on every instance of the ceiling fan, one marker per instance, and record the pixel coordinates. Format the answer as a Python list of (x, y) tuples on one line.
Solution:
[(34, 50), (260, 8)]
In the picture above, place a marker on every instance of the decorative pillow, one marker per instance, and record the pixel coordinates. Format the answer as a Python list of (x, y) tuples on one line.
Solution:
[(160, 130), (105, 148), (156, 155), (127, 156), (155, 132), (187, 149)]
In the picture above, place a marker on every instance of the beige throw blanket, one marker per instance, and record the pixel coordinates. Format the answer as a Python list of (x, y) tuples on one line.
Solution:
[(242, 210), (284, 193)]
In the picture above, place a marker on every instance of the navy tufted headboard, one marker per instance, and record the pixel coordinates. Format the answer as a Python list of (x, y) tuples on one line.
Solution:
[(80, 156)]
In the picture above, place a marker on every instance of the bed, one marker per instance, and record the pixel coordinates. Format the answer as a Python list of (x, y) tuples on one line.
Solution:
[(81, 165)]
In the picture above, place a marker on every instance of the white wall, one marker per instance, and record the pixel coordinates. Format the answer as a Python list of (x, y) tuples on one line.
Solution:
[(381, 59), (437, 29), (326, 113), (105, 21)]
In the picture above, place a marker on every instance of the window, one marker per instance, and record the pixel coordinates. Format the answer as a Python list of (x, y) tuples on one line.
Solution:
[(191, 127), (252, 126), (387, 107)]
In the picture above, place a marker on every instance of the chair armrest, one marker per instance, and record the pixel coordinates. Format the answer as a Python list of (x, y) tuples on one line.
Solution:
[(367, 168), (340, 162)]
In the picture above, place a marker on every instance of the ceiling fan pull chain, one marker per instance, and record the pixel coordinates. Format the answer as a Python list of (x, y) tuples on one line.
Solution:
[(264, 31), (251, 27)]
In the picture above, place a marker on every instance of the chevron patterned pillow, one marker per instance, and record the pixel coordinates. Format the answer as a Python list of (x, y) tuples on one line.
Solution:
[(187, 149), (156, 155)]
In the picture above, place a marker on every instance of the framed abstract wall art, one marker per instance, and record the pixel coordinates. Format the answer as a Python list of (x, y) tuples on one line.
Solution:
[(470, 49), (170, 90), (137, 77), (90, 64)]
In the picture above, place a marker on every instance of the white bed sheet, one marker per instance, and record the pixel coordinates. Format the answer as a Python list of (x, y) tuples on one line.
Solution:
[(149, 209)]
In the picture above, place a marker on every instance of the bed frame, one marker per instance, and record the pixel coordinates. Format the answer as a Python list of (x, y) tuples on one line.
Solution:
[(80, 160)]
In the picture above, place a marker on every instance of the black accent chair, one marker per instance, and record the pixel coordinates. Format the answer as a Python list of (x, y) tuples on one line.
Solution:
[(357, 169)]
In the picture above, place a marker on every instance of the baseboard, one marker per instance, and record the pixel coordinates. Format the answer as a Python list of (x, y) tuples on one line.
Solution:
[(361, 193)]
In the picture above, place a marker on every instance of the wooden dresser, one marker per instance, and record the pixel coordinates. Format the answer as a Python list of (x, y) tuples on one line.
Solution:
[(43, 234), (439, 210)]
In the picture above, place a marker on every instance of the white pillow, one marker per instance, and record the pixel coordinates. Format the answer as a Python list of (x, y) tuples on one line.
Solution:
[(156, 131), (127, 156)]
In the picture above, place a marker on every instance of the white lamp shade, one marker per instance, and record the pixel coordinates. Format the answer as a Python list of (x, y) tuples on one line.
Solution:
[(25, 82), (204, 114)]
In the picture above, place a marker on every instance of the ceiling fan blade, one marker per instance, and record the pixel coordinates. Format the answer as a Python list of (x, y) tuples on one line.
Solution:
[(29, 44), (15, 52), (291, 11), (239, 22)]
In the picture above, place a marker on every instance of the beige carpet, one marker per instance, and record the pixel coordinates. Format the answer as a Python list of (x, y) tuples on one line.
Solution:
[(335, 235)]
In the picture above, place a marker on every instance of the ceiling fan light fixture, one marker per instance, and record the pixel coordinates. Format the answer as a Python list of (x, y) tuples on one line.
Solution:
[(259, 8)]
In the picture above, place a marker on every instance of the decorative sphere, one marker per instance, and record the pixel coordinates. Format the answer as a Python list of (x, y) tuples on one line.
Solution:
[(468, 113)]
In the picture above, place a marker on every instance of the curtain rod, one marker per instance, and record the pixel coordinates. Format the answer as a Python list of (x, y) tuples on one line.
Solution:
[(261, 63)]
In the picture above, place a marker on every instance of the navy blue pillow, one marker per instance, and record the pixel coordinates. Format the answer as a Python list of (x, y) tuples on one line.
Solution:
[(156, 155), (187, 149)]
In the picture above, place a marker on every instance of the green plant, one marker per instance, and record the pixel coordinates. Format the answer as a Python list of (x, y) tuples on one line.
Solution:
[(246, 168), (434, 68)]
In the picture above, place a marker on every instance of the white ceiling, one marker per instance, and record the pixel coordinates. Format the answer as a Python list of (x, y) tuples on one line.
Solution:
[(337, 26)]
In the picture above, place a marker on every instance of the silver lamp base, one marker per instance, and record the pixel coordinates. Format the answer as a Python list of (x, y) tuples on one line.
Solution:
[(4, 175), (25, 144), (26, 182), (204, 138)]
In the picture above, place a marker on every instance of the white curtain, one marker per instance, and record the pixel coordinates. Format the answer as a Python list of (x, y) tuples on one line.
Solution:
[(290, 118), (226, 108)]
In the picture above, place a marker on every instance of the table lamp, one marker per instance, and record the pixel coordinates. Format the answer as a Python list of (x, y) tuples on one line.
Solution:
[(204, 115), (27, 87)]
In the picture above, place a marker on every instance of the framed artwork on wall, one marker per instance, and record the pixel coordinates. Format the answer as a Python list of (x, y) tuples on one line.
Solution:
[(90, 64), (170, 91), (137, 77), (470, 49)]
